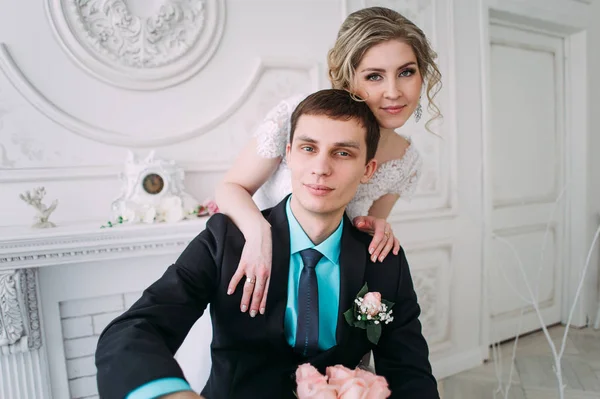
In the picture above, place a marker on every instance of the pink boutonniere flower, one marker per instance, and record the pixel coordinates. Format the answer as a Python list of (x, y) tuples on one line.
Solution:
[(369, 312)]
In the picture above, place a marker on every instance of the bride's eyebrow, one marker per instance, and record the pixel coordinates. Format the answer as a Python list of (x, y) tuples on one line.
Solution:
[(381, 70)]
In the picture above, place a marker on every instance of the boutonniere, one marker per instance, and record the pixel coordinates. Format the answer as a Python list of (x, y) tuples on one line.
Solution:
[(369, 311)]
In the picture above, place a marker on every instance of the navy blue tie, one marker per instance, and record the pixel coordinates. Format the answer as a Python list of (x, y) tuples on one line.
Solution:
[(307, 330)]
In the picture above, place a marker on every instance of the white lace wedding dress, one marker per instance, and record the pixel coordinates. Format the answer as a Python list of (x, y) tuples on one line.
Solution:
[(398, 176)]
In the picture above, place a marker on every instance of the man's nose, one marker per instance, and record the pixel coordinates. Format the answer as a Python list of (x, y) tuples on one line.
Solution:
[(322, 165)]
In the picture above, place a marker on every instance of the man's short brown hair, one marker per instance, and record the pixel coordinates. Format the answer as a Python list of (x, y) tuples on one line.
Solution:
[(339, 105)]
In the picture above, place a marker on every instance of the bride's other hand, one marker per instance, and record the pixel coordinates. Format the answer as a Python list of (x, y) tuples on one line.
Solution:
[(383, 241)]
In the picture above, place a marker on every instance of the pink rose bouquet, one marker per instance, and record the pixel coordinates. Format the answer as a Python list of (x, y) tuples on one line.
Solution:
[(339, 383)]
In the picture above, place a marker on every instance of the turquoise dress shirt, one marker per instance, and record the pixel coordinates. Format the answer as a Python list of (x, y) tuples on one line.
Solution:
[(328, 280)]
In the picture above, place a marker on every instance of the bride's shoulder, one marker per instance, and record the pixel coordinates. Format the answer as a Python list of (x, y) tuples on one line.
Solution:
[(273, 132), (403, 153)]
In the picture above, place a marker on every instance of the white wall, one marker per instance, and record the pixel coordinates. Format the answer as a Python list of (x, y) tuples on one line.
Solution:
[(594, 138)]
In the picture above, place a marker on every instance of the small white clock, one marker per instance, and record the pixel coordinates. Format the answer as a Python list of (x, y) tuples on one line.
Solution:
[(147, 182)]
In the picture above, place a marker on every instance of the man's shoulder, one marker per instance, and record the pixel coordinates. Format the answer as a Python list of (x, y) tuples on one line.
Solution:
[(220, 224)]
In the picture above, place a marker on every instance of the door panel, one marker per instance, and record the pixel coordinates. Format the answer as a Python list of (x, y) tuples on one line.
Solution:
[(526, 173)]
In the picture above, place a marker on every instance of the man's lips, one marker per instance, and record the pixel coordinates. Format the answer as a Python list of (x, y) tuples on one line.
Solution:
[(395, 109), (318, 189)]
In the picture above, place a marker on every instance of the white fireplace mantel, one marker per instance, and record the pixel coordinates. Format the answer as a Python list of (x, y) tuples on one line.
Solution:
[(26, 247)]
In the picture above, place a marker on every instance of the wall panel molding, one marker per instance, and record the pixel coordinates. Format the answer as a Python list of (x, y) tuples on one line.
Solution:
[(124, 139)]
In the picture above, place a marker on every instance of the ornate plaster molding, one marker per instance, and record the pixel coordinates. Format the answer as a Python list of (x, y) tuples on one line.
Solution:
[(20, 328), (411, 9), (28, 248), (112, 137), (143, 47), (432, 283)]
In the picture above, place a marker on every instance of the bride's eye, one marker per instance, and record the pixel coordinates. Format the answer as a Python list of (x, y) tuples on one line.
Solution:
[(407, 72), (374, 77)]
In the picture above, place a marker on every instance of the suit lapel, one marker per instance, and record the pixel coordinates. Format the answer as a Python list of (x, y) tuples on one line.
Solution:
[(353, 262), (280, 267)]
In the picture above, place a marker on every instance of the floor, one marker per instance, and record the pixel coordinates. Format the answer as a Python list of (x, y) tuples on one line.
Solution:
[(533, 376)]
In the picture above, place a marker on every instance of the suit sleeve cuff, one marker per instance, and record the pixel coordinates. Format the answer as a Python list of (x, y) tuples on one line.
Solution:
[(158, 388)]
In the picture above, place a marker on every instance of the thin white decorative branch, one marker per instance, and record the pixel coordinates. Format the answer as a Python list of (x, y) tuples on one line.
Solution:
[(557, 355)]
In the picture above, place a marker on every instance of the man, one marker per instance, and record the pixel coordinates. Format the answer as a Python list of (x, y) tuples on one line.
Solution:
[(320, 263)]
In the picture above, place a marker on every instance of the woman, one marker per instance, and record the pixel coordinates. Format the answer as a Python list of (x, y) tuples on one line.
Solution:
[(380, 57)]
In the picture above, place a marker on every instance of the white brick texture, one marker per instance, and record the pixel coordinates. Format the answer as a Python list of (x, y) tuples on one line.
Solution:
[(77, 327), (81, 367), (102, 320), (83, 387), (82, 322), (80, 347)]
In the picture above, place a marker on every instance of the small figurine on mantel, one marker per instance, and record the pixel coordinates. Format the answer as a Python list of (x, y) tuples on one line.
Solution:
[(44, 211)]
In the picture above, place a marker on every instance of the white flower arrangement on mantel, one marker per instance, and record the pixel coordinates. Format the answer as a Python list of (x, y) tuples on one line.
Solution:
[(171, 209)]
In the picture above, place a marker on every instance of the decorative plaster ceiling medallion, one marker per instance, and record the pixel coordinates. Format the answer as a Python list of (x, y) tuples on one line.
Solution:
[(139, 44)]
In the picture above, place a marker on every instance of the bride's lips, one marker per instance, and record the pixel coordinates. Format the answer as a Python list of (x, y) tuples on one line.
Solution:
[(396, 109), (318, 189)]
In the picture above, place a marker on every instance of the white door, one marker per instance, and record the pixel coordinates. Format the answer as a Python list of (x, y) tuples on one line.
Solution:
[(525, 179)]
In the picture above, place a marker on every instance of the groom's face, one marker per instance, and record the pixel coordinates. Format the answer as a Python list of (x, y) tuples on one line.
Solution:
[(327, 159)]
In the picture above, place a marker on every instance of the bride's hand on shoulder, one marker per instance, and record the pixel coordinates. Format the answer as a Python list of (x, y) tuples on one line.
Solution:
[(383, 240), (255, 271)]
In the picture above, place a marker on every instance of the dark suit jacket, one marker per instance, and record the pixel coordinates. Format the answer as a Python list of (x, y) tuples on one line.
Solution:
[(250, 356)]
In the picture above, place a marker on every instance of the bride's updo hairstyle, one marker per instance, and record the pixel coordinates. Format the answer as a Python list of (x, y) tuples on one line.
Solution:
[(368, 27)]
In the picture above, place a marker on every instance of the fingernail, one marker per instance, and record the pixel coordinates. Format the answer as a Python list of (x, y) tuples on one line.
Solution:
[(373, 259), (262, 310), (229, 291), (244, 308), (381, 258), (252, 313), (361, 223), (371, 250)]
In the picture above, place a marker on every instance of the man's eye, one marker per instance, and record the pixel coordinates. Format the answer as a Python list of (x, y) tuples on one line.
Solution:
[(307, 148), (344, 153)]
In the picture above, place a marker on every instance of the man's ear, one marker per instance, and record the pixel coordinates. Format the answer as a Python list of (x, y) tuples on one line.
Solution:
[(370, 168), (288, 151)]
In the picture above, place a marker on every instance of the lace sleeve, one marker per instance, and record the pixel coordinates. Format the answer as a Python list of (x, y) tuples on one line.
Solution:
[(410, 173), (273, 133)]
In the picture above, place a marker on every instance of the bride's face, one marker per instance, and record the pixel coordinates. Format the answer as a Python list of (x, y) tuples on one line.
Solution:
[(388, 79)]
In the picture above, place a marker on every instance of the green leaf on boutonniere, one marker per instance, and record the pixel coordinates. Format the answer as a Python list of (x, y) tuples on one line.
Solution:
[(349, 316), (356, 317), (387, 303), (363, 291), (374, 332)]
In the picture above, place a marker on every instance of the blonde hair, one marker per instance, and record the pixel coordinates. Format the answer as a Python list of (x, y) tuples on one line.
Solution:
[(370, 26)]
